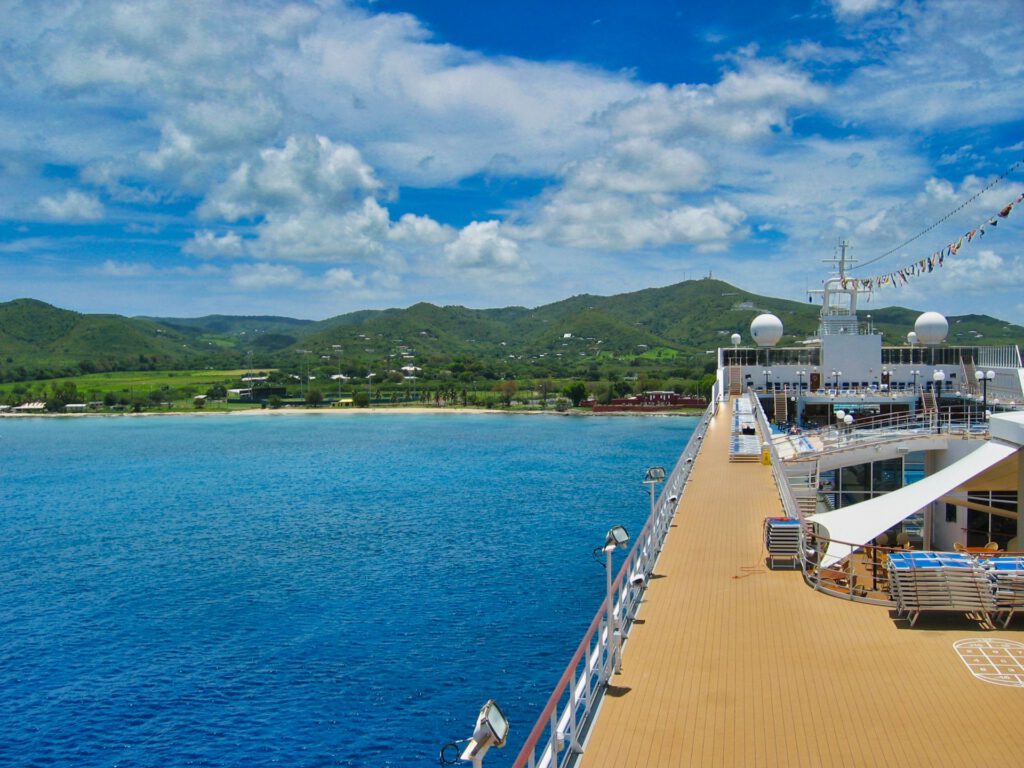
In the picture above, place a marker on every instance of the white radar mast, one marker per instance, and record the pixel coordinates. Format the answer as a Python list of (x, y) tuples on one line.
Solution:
[(839, 296)]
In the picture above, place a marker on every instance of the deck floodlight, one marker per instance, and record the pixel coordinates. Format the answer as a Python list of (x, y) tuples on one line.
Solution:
[(491, 731), (618, 537), (654, 475)]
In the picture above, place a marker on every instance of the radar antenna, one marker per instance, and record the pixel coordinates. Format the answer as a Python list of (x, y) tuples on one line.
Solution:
[(839, 295)]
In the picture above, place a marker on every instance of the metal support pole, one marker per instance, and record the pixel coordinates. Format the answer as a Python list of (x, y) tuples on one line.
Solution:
[(614, 652)]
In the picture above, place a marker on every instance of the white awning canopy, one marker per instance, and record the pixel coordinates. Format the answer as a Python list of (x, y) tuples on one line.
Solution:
[(854, 526)]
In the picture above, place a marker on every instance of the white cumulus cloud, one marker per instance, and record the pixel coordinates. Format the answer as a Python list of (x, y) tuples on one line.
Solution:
[(207, 244), (262, 276), (73, 205), (305, 173), (857, 8), (111, 268), (480, 245), (983, 270)]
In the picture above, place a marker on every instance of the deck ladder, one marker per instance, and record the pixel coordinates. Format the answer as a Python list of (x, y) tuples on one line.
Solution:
[(735, 380), (928, 402), (967, 368), (781, 408)]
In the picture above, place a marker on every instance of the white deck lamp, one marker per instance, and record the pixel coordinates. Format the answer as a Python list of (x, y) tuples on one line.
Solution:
[(652, 477), (491, 730), (984, 377), (616, 538)]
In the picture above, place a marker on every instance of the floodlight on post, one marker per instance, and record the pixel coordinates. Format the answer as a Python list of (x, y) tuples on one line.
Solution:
[(652, 477), (491, 730), (616, 538)]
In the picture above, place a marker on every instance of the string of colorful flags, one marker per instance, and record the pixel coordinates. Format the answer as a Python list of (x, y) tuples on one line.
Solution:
[(901, 277)]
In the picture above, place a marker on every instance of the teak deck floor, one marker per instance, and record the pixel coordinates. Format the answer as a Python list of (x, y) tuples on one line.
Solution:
[(732, 664)]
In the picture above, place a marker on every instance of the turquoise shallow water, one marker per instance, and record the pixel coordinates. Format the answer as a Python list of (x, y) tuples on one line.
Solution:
[(299, 590)]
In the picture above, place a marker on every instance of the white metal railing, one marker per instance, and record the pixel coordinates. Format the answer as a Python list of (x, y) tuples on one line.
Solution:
[(555, 740), (894, 428), (998, 357), (789, 503)]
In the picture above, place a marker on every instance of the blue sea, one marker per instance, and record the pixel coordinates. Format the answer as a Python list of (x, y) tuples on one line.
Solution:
[(299, 590)]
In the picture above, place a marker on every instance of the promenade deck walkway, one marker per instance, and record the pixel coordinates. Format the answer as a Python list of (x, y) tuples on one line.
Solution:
[(732, 664)]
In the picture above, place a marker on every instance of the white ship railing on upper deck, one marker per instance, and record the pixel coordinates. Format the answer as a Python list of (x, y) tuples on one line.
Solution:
[(556, 738), (998, 357), (890, 428), (789, 505), (844, 325)]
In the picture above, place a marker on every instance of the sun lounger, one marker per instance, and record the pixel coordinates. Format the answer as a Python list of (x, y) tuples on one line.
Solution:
[(939, 581)]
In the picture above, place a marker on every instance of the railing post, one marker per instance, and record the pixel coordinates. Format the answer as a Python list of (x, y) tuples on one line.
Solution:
[(574, 743), (555, 742)]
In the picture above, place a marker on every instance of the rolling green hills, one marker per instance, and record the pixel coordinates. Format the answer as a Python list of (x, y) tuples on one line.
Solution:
[(664, 332)]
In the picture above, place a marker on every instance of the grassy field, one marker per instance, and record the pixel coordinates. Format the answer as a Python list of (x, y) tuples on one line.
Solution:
[(96, 385)]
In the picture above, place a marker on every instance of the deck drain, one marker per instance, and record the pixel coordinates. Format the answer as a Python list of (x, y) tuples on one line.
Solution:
[(1000, 662)]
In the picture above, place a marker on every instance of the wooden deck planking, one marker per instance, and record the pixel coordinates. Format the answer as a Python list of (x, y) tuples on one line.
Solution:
[(736, 665)]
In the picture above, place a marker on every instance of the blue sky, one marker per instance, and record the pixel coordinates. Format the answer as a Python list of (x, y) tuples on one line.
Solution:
[(307, 159)]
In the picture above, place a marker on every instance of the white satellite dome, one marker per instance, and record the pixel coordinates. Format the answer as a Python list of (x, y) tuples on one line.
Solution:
[(735, 339), (766, 330), (911, 338), (931, 328)]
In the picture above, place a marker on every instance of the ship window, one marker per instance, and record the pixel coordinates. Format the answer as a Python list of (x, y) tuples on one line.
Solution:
[(951, 513)]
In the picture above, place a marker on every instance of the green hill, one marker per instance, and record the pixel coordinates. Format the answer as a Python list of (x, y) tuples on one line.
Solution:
[(38, 340), (666, 331)]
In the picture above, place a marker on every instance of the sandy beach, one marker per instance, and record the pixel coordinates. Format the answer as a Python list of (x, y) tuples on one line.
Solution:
[(354, 412)]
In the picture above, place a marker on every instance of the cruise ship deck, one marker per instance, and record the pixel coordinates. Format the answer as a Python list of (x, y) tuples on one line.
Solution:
[(733, 664)]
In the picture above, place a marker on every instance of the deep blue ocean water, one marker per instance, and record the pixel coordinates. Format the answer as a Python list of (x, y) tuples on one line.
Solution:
[(299, 590)]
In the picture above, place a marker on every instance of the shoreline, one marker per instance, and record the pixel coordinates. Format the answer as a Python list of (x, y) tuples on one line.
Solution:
[(411, 410)]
